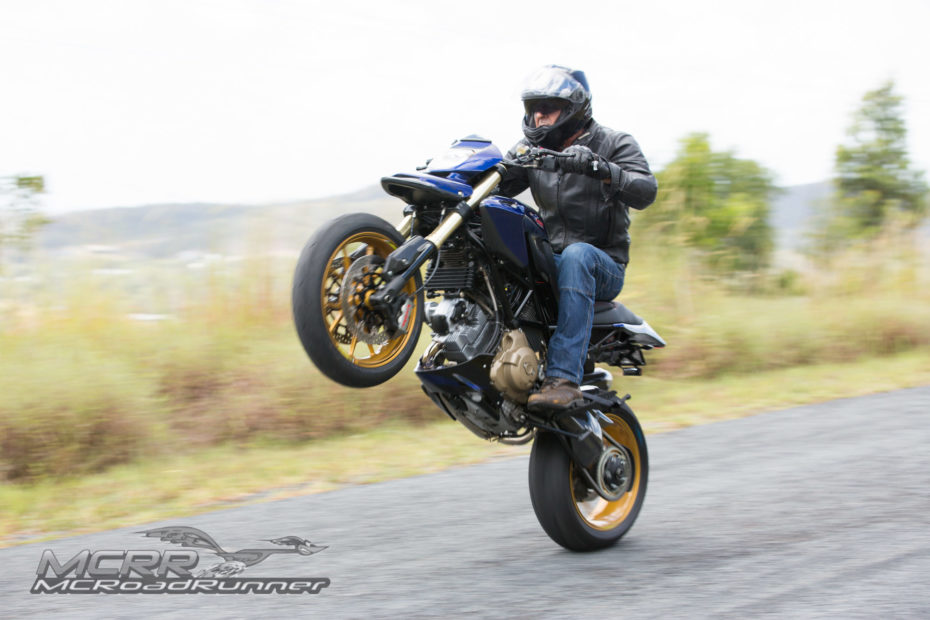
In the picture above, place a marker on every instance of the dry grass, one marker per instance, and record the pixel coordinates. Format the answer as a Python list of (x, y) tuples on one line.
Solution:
[(86, 393), (84, 388), (180, 484)]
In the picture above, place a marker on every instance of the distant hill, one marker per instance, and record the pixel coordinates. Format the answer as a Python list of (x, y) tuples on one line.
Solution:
[(164, 231), (160, 231)]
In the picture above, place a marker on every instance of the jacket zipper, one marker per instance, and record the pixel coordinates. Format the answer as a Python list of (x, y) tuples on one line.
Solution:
[(559, 206)]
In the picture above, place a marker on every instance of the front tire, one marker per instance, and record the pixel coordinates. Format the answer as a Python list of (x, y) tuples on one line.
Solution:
[(339, 332), (568, 510)]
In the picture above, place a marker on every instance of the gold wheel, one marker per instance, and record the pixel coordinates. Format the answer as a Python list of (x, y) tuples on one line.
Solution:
[(574, 515), (593, 509), (354, 330)]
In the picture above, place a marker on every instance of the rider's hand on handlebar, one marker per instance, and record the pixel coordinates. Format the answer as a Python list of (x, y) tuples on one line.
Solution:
[(543, 159), (582, 160)]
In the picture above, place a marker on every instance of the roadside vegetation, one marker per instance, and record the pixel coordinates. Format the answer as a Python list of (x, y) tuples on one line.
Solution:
[(107, 419), (219, 404)]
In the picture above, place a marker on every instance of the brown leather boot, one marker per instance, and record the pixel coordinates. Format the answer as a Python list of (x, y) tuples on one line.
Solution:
[(555, 393)]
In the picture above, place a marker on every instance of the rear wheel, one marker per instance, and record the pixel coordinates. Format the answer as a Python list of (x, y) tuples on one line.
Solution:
[(339, 268), (571, 512)]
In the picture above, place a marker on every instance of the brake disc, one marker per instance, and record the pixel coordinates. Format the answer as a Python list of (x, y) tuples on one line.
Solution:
[(614, 473), (362, 278)]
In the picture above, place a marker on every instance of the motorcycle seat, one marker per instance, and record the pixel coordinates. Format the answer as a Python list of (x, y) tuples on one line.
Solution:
[(611, 312)]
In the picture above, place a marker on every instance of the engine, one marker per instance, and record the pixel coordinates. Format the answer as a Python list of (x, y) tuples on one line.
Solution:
[(462, 327), (515, 367)]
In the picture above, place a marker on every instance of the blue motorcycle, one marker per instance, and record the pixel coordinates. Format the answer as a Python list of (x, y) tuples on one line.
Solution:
[(478, 269)]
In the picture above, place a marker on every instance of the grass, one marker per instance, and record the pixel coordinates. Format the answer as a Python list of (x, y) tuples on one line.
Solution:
[(223, 476), (106, 421), (84, 388)]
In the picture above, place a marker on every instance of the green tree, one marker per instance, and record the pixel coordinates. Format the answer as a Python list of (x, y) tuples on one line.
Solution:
[(716, 203), (875, 185), (19, 210)]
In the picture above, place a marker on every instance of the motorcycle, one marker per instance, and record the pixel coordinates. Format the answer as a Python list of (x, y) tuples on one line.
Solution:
[(478, 269)]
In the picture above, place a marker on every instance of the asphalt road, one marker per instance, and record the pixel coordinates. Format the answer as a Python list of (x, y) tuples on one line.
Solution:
[(817, 511)]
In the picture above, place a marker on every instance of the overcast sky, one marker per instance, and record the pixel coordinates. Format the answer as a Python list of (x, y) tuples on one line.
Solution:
[(129, 102)]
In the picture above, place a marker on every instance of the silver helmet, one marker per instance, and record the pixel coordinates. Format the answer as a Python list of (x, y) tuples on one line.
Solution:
[(561, 87)]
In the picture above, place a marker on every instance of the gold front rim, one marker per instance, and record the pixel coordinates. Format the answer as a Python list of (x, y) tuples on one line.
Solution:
[(349, 344), (597, 511)]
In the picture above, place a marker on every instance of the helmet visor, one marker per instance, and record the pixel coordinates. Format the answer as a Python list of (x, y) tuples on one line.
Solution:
[(551, 82), (544, 106)]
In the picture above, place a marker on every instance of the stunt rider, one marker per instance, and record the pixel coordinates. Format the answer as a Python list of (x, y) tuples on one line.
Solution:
[(585, 207)]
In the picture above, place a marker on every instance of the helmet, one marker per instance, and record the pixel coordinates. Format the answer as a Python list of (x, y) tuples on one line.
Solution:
[(570, 89)]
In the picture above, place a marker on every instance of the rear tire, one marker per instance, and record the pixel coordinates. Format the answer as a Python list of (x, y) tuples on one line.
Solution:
[(350, 349), (570, 513)]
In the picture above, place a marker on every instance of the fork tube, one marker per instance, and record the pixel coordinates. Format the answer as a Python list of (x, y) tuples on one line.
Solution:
[(484, 188), (405, 226), (452, 221)]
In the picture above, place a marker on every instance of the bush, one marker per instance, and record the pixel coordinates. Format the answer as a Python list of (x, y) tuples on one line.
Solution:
[(82, 388), (70, 411)]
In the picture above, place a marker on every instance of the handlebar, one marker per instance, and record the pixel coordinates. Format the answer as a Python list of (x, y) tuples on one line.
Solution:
[(536, 157)]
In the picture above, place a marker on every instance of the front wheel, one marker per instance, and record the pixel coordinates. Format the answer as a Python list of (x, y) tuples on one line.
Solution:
[(339, 268), (569, 510)]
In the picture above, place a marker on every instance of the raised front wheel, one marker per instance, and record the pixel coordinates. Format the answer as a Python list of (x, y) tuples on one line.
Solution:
[(338, 270)]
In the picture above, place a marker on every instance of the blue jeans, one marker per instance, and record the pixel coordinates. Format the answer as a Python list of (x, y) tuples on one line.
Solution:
[(585, 274)]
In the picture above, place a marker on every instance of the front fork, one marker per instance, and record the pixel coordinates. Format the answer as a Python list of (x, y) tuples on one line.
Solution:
[(404, 262), (406, 225)]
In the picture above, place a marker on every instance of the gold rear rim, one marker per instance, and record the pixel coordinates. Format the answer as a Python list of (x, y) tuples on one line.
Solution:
[(339, 327), (596, 511)]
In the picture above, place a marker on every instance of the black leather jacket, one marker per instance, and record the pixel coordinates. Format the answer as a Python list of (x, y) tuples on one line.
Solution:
[(575, 207)]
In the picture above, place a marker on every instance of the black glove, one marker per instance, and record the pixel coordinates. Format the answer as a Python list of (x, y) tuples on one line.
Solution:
[(585, 161)]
